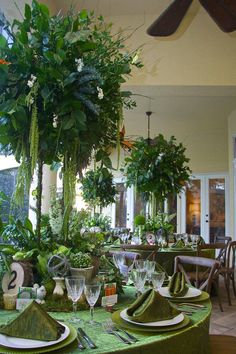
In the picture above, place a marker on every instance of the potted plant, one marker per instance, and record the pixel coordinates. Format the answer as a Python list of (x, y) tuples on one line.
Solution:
[(98, 188), (158, 169), (81, 265)]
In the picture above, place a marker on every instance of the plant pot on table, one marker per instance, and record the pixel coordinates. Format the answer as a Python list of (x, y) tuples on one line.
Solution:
[(87, 273)]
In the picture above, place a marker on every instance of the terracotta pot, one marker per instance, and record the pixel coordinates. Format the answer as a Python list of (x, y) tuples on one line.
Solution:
[(85, 272)]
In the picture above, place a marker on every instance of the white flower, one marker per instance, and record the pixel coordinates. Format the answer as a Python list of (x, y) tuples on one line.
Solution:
[(31, 82), (55, 121), (80, 64), (100, 93)]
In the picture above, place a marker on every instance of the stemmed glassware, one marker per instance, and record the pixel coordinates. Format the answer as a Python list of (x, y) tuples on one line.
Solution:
[(75, 287), (194, 239), (119, 260), (140, 264), (92, 292), (157, 279), (139, 279), (150, 268)]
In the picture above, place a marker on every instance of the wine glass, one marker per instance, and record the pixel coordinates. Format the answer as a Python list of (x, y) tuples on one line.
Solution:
[(139, 279), (157, 280), (92, 292), (75, 287), (150, 268), (140, 264), (118, 259)]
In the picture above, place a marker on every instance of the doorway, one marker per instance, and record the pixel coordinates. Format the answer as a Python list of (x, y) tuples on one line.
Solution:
[(206, 206)]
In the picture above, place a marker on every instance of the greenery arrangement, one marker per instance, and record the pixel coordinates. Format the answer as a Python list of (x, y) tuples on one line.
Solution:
[(60, 96), (157, 168), (160, 223), (98, 188), (80, 260), (96, 220)]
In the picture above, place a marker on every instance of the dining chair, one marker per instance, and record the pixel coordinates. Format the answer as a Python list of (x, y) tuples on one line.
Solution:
[(222, 258), (201, 279), (147, 251), (228, 270), (222, 239)]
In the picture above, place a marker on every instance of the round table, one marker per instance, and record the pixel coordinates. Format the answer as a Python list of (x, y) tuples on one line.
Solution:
[(193, 339)]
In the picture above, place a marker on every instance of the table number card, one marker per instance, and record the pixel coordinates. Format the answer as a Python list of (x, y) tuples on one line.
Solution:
[(110, 298)]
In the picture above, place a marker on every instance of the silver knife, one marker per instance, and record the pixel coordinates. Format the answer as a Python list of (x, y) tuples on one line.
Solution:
[(80, 344), (88, 340)]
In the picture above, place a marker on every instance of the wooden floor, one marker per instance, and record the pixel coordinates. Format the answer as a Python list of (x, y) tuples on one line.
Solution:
[(223, 322)]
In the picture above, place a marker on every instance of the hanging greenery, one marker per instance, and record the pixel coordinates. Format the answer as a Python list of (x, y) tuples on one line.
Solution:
[(98, 188), (157, 168), (60, 93)]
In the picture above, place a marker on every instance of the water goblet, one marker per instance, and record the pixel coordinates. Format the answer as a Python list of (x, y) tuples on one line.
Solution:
[(157, 280), (140, 264), (92, 292), (75, 287), (150, 268), (118, 259), (139, 279)]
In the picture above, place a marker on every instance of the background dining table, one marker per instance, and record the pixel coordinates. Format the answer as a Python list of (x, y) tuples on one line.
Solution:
[(192, 339), (164, 256)]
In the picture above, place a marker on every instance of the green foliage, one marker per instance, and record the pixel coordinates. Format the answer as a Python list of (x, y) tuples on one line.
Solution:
[(98, 187), (60, 90), (80, 260), (139, 220), (158, 168), (97, 220), (161, 222)]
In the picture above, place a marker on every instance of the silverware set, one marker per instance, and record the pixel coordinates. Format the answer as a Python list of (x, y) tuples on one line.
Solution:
[(83, 339), (189, 308), (111, 328)]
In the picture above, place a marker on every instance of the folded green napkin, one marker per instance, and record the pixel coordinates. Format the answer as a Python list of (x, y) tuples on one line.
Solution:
[(177, 285), (33, 323), (178, 244), (151, 307)]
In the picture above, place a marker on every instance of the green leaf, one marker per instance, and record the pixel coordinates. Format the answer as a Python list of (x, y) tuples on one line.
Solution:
[(3, 41), (57, 58), (27, 12), (68, 124), (23, 37), (28, 225), (44, 9)]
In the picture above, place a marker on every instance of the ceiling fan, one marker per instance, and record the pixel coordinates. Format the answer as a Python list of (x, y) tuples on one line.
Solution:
[(223, 12)]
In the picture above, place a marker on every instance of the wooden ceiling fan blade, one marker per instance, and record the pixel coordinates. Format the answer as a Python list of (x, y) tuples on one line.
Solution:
[(231, 5), (168, 22), (221, 14)]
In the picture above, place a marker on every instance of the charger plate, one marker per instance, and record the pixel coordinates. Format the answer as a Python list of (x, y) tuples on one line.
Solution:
[(119, 321), (56, 347), (22, 343), (177, 319), (191, 293), (203, 297)]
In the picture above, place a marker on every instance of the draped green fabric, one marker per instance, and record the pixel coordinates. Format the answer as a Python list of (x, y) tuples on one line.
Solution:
[(192, 339)]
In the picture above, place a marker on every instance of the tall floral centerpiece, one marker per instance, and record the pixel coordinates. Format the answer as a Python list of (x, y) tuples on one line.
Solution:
[(60, 95)]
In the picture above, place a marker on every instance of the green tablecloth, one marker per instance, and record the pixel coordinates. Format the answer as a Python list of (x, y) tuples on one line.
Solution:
[(193, 339)]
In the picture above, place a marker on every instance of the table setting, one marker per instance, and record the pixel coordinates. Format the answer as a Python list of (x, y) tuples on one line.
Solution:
[(153, 308)]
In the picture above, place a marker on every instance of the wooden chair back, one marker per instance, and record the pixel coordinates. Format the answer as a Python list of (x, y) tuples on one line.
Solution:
[(211, 266), (231, 256), (222, 239), (222, 247)]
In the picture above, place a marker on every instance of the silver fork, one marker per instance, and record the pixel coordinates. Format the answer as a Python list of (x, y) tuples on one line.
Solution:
[(107, 328), (118, 329)]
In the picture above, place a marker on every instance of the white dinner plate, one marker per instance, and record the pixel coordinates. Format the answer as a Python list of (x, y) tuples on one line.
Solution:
[(192, 292), (21, 343), (177, 319)]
